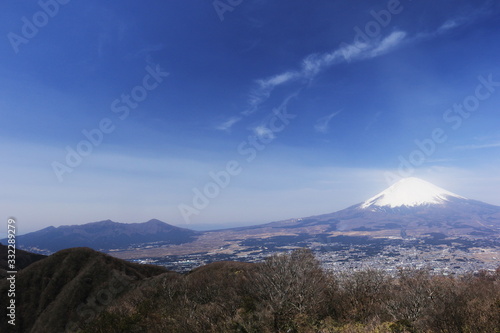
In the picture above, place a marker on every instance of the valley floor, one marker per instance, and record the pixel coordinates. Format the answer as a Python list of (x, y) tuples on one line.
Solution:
[(388, 255)]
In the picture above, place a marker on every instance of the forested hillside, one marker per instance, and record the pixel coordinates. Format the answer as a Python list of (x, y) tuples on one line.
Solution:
[(291, 293)]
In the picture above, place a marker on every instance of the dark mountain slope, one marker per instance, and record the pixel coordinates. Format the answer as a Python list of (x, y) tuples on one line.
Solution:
[(70, 287), (23, 260)]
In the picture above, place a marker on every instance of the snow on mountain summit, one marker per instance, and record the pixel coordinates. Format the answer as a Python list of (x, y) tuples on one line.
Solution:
[(410, 192)]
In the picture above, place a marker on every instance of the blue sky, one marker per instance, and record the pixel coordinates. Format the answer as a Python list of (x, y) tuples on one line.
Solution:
[(295, 108)]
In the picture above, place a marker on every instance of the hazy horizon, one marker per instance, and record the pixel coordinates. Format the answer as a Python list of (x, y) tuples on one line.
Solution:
[(245, 114), (200, 226)]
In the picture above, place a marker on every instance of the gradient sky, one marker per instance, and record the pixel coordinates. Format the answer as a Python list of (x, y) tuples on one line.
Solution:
[(356, 82)]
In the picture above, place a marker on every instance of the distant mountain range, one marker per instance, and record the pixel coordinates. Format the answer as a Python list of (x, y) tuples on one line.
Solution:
[(104, 236), (411, 208)]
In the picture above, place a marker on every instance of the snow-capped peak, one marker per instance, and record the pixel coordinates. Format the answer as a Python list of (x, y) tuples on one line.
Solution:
[(410, 192)]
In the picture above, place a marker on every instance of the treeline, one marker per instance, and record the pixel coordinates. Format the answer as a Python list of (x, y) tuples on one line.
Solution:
[(291, 293)]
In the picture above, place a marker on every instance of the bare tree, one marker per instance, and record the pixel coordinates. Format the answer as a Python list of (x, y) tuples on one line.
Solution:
[(291, 285), (363, 295), (411, 295)]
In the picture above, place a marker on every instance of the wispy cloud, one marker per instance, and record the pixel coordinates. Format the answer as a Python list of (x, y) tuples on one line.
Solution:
[(456, 22), (448, 25), (226, 126), (277, 80), (439, 161), (323, 123), (263, 133), (477, 146), (314, 64), (264, 89), (387, 44), (263, 130)]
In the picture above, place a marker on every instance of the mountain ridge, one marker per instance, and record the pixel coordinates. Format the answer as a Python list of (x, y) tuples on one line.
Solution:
[(104, 235)]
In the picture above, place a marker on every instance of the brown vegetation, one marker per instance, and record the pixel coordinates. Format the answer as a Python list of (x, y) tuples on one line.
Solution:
[(81, 290), (69, 287), (291, 293)]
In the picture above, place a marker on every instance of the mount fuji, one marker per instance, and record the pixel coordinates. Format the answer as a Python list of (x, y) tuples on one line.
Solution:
[(411, 214), (411, 207), (411, 192)]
